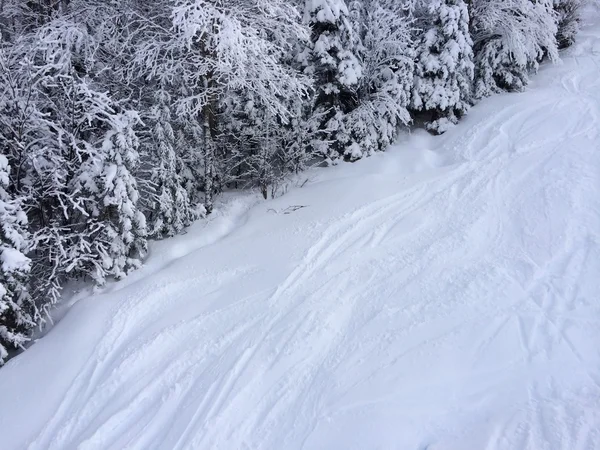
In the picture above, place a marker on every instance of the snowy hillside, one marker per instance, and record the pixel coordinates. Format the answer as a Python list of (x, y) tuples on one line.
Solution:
[(442, 295)]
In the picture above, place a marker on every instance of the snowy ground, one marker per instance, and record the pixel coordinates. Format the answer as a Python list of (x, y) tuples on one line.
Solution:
[(443, 295)]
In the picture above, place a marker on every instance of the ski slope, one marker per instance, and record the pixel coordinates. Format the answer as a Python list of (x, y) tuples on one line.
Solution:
[(443, 295)]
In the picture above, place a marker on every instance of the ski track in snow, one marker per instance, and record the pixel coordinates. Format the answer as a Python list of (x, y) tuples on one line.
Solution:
[(450, 305)]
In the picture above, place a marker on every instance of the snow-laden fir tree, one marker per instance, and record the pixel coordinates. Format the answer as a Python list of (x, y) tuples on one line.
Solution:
[(113, 215), (357, 11), (568, 18), (332, 59), (444, 63), (188, 146), (385, 88), (171, 210), (16, 307), (510, 38)]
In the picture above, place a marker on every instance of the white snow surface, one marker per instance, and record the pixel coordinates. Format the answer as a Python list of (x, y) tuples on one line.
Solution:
[(442, 295)]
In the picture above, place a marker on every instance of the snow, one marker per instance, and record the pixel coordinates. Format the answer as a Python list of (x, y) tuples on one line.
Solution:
[(442, 295), (13, 260), (327, 10)]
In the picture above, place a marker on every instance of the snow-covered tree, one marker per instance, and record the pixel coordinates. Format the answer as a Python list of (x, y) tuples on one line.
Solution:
[(57, 117), (444, 63), (510, 39), (16, 307), (188, 146), (31, 140), (113, 220), (216, 48), (332, 59), (260, 150), (568, 18), (385, 87), (357, 14), (171, 210)]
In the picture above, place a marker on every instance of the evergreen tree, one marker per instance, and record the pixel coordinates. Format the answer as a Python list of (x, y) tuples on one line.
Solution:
[(107, 179), (510, 39), (231, 47), (332, 59), (568, 18), (17, 310), (171, 210), (384, 90), (444, 64)]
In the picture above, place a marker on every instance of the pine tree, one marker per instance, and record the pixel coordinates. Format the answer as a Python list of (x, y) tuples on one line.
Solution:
[(16, 307), (384, 91), (60, 120), (444, 65), (331, 58), (188, 146), (568, 18), (510, 39), (171, 211), (121, 226)]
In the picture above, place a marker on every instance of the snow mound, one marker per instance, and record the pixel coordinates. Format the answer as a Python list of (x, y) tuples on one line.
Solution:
[(414, 154)]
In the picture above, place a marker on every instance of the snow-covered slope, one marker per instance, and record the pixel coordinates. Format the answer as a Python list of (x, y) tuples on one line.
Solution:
[(443, 295)]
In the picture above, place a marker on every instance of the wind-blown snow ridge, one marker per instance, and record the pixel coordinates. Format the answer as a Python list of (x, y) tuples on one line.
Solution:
[(445, 298)]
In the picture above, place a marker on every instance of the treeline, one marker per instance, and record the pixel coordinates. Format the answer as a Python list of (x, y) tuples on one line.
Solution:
[(121, 120)]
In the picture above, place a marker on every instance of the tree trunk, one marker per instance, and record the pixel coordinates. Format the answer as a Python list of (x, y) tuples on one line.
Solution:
[(209, 131), (208, 162)]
